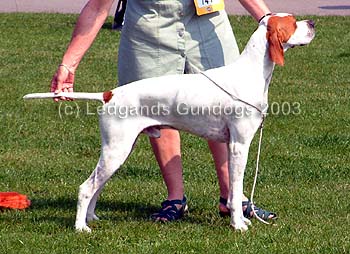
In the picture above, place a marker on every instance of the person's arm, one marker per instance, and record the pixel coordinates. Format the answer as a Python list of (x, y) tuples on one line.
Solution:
[(257, 8), (88, 25)]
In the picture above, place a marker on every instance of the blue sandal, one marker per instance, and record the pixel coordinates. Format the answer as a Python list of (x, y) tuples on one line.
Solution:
[(170, 212), (248, 211)]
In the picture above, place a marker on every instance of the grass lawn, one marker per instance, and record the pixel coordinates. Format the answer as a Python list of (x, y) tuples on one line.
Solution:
[(305, 163)]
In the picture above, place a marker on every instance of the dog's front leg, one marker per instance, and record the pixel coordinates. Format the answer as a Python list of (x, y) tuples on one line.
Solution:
[(238, 154)]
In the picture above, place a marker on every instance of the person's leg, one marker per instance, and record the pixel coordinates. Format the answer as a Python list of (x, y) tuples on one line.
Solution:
[(218, 48), (142, 44), (167, 152), (168, 155), (219, 152)]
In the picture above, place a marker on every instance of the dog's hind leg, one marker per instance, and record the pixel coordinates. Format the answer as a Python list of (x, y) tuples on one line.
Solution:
[(88, 194), (91, 208), (112, 157)]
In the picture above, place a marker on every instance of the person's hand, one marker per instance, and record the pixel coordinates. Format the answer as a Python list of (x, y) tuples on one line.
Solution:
[(62, 81)]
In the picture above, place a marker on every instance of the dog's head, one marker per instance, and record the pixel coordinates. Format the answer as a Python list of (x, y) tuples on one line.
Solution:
[(283, 32)]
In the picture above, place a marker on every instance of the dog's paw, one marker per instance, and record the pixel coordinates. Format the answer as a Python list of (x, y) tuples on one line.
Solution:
[(82, 228), (92, 217), (246, 221), (240, 225)]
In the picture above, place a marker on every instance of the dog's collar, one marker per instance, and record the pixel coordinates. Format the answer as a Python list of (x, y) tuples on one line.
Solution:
[(267, 14)]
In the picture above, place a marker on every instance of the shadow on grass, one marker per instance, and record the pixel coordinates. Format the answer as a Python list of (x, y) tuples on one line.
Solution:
[(113, 210), (107, 25), (344, 55), (60, 211)]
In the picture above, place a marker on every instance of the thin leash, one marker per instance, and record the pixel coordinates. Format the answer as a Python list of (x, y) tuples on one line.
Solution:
[(260, 141), (231, 95), (256, 173)]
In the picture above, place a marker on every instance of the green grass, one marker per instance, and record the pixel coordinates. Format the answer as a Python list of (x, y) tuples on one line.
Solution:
[(305, 172)]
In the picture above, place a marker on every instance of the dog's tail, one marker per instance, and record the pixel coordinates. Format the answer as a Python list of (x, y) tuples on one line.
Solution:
[(102, 97)]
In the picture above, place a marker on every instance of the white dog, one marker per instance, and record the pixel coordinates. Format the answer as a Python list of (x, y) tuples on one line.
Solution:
[(225, 104)]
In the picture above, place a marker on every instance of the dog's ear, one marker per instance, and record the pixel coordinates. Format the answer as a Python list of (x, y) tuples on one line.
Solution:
[(279, 30), (275, 47)]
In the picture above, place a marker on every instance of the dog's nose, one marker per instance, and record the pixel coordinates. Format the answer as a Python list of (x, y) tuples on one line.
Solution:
[(311, 23)]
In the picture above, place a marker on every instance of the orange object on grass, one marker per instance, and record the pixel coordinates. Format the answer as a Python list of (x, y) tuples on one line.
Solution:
[(13, 200)]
